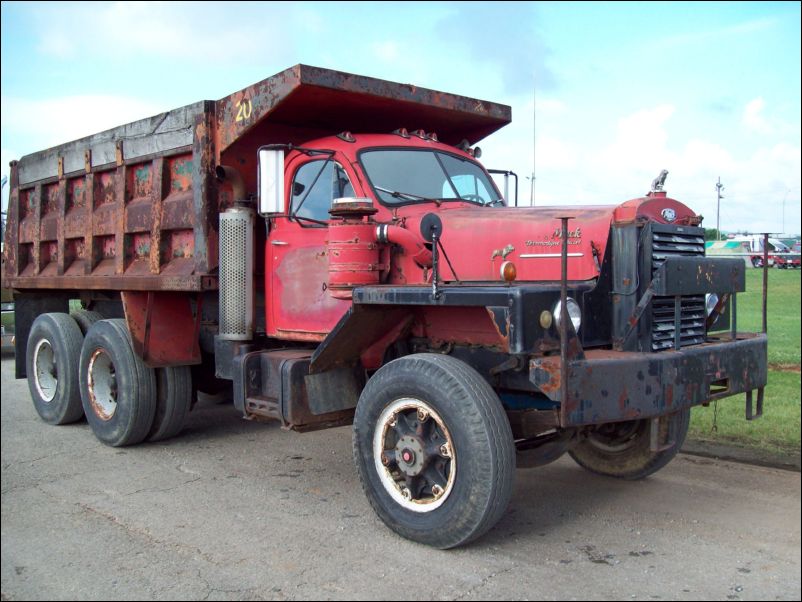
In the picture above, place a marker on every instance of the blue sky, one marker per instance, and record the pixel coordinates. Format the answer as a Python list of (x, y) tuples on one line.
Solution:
[(623, 90)]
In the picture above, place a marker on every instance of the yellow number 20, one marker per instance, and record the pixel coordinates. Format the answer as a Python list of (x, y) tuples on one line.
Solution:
[(244, 110)]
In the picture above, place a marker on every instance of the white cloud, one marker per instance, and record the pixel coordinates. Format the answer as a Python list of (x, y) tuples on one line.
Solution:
[(551, 106), (754, 119), (553, 153), (582, 170), (45, 123), (177, 30), (387, 51)]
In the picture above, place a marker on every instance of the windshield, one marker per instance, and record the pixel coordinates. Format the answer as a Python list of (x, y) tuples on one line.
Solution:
[(397, 175)]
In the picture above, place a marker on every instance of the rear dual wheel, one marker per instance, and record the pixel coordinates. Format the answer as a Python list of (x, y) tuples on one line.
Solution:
[(118, 390), (81, 364), (125, 401), (54, 344)]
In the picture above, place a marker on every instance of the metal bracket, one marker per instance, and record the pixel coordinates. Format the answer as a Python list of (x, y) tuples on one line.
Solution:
[(654, 436), (752, 415), (633, 320)]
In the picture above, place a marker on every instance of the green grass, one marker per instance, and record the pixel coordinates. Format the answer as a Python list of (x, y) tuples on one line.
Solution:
[(779, 429), (783, 312), (776, 431)]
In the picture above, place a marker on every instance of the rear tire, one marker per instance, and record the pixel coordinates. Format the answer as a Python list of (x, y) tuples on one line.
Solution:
[(85, 319), (622, 450), (118, 390), (434, 450), (173, 399), (54, 345)]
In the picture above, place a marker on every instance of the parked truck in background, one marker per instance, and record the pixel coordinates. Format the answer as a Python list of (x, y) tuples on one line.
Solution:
[(780, 255), (295, 242)]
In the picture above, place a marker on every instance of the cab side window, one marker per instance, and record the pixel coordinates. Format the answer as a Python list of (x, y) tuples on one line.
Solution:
[(315, 185)]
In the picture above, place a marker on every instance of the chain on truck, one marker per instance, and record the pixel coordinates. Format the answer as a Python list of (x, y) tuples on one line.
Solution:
[(294, 242)]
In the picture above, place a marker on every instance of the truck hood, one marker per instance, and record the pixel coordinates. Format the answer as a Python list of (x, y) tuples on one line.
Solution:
[(479, 240)]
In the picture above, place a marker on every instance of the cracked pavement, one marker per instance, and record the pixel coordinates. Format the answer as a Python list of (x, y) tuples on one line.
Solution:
[(235, 510)]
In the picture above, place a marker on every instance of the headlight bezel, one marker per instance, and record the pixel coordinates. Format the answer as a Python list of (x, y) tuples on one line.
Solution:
[(574, 313)]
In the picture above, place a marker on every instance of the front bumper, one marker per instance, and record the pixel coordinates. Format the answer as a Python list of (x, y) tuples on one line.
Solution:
[(611, 386)]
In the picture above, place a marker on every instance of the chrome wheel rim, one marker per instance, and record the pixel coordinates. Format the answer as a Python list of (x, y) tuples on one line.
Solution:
[(45, 370), (414, 456), (102, 385)]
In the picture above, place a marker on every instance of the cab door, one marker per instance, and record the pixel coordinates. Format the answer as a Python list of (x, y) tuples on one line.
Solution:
[(299, 306)]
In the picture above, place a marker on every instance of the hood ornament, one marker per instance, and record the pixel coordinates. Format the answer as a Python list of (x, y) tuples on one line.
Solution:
[(502, 252), (659, 182)]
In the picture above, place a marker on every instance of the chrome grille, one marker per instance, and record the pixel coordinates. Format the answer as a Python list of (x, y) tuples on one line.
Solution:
[(684, 241)]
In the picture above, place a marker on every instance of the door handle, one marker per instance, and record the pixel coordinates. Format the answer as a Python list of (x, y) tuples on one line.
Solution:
[(279, 243)]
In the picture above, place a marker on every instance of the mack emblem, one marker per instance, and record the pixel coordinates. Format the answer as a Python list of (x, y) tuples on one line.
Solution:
[(669, 214)]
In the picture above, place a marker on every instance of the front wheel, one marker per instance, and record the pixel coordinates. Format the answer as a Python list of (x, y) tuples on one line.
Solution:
[(622, 449), (434, 450)]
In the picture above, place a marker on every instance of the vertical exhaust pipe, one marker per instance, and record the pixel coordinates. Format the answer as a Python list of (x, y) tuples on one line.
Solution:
[(236, 274)]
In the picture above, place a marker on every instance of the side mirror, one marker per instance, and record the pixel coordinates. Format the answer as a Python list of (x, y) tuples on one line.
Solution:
[(271, 181)]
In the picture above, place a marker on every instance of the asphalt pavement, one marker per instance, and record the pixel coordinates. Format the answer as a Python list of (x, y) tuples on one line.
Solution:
[(238, 510)]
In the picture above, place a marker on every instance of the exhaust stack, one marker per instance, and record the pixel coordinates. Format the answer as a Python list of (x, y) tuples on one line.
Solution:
[(236, 274)]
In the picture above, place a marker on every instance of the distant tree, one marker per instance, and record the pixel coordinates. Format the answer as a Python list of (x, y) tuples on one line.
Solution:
[(711, 234)]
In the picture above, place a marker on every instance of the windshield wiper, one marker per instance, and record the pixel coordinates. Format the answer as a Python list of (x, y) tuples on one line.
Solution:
[(408, 196)]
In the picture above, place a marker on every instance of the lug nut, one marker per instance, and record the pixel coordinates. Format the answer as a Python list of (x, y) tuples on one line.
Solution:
[(405, 493), (437, 491), (423, 415), (445, 451)]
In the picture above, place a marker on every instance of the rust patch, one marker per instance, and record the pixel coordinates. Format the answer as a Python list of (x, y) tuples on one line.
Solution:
[(139, 182), (104, 188), (76, 194), (180, 173)]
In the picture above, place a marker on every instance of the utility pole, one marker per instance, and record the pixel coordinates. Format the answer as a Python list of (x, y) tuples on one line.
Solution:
[(785, 197), (534, 137), (719, 188), (532, 190)]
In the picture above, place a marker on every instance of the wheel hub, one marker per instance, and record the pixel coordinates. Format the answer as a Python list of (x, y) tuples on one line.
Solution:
[(102, 385), (414, 455), (45, 370), (410, 455)]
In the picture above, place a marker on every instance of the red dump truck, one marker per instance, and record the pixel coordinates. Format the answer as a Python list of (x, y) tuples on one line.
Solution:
[(329, 247)]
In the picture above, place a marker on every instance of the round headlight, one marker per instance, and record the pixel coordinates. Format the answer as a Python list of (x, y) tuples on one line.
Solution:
[(711, 300), (573, 312)]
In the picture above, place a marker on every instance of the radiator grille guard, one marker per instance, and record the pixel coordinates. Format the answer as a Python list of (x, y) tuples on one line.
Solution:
[(682, 241), (236, 274)]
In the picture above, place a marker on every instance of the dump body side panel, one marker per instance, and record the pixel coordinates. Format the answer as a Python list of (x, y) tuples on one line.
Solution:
[(126, 209)]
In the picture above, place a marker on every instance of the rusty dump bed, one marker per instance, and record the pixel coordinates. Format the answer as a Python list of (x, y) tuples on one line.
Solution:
[(135, 207)]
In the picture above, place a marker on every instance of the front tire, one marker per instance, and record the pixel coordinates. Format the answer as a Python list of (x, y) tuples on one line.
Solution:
[(434, 450), (622, 449)]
